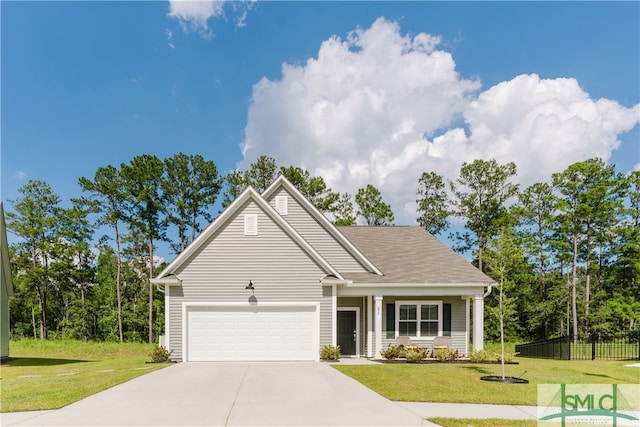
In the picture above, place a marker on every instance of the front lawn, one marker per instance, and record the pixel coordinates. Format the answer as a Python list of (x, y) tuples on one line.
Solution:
[(51, 374), (460, 383)]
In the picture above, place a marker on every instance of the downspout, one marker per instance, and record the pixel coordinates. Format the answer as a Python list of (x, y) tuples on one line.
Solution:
[(486, 294)]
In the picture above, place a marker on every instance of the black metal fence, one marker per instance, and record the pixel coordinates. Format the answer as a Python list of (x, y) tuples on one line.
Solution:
[(563, 348)]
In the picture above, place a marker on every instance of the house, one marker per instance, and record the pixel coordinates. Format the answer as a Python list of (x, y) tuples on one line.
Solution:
[(7, 287), (272, 279)]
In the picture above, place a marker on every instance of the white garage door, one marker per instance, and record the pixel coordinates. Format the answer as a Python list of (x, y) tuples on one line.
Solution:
[(251, 333)]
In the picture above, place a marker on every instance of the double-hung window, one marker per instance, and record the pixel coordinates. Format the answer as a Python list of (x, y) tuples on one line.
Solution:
[(419, 319)]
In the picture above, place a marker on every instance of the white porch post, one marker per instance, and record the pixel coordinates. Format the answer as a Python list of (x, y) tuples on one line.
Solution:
[(467, 322), (378, 326), (369, 326), (478, 322), (334, 315)]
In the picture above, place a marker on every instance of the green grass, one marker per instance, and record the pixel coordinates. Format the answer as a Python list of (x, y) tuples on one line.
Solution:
[(460, 383), (488, 422), (51, 374)]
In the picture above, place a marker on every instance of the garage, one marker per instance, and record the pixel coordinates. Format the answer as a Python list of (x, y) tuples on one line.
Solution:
[(252, 333)]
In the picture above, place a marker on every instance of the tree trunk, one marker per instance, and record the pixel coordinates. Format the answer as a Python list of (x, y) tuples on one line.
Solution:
[(574, 281), (150, 290), (118, 276)]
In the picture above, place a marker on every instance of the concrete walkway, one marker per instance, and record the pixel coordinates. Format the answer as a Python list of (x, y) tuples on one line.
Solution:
[(230, 394), (252, 394)]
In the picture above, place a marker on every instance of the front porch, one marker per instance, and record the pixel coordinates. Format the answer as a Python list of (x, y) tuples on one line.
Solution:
[(365, 324)]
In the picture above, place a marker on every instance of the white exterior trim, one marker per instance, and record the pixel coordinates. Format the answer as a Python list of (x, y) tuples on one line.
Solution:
[(369, 326), (402, 291), (378, 326), (478, 322), (466, 323), (334, 316), (186, 305), (418, 303), (357, 310)]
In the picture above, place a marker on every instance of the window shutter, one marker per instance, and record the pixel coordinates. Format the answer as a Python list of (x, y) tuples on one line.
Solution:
[(281, 205), (391, 321), (446, 320), (251, 225)]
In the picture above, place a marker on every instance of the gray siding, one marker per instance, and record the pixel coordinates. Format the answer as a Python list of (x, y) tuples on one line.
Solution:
[(317, 236), (458, 323), (223, 265)]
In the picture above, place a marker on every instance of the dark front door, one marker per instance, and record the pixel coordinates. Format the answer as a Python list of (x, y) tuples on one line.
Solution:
[(347, 332)]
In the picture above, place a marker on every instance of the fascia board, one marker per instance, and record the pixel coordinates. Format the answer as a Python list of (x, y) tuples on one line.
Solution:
[(282, 181)]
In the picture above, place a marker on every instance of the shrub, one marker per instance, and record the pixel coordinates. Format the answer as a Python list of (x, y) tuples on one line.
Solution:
[(329, 352), (414, 353), (160, 354), (442, 354), (508, 356), (391, 352), (479, 356)]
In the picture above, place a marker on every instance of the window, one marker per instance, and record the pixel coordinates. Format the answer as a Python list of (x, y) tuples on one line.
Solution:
[(251, 225), (419, 319)]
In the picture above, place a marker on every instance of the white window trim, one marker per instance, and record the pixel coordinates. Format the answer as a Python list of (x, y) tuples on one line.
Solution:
[(418, 303)]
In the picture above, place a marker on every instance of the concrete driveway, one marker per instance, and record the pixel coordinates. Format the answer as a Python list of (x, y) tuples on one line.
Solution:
[(231, 394)]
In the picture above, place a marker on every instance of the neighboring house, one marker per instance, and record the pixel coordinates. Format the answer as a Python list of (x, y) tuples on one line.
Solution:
[(272, 279), (7, 287)]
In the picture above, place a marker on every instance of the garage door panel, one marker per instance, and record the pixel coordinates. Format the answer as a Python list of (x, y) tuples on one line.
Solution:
[(251, 333)]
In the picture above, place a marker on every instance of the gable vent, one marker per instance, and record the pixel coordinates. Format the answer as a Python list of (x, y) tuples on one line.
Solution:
[(281, 205), (251, 225)]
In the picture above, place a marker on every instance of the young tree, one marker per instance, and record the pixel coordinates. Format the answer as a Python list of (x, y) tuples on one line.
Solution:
[(372, 208), (143, 176), (190, 186), (108, 192), (481, 192), (433, 204), (35, 223), (504, 262)]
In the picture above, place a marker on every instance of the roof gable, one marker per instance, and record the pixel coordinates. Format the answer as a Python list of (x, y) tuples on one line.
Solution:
[(248, 195), (281, 183)]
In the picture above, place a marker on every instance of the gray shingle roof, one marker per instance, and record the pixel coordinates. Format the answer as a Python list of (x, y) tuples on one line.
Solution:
[(409, 254)]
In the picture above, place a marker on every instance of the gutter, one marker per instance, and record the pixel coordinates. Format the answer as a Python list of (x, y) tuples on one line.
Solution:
[(489, 287)]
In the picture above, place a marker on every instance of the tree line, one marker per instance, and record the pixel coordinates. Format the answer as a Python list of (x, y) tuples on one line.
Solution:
[(566, 253)]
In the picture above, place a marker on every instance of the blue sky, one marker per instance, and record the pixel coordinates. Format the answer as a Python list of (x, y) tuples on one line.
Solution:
[(357, 92)]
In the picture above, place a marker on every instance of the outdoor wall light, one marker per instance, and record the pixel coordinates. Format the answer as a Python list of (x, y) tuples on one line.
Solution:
[(250, 286)]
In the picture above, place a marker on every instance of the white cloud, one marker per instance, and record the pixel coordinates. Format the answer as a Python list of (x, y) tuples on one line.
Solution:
[(20, 175), (195, 14), (380, 107)]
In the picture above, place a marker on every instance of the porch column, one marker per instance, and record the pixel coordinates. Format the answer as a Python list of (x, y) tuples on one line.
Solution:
[(467, 322), (369, 326), (478, 322), (378, 326), (334, 315)]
